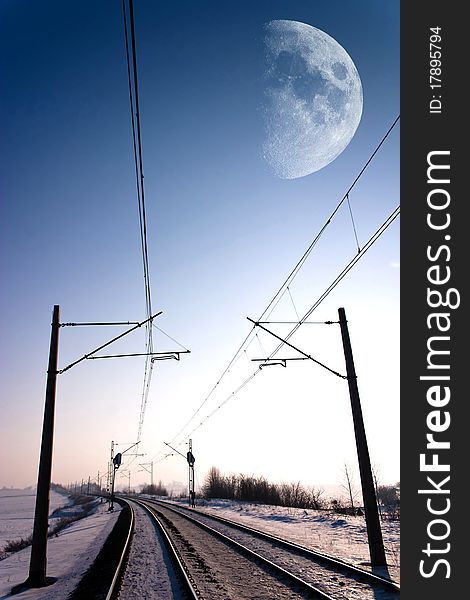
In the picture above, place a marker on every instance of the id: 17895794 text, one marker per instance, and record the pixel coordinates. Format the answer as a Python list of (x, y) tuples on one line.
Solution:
[(435, 69)]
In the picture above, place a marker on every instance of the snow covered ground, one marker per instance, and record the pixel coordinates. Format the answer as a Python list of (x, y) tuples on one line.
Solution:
[(17, 512), (68, 555), (341, 536), (73, 551), (149, 574)]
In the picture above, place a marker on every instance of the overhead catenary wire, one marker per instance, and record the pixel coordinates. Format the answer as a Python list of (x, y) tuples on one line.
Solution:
[(171, 338), (149, 365), (290, 277), (214, 387), (138, 177), (383, 227), (263, 351), (133, 85), (137, 140), (390, 219), (353, 224), (293, 303), (315, 240)]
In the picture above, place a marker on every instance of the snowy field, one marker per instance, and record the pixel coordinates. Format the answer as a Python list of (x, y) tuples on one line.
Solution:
[(69, 554), (75, 548), (341, 536), (17, 513)]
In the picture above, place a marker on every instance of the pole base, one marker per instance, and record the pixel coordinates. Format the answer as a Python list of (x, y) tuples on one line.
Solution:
[(32, 582)]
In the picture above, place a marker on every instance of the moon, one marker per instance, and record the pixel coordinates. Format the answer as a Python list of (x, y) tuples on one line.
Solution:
[(312, 100)]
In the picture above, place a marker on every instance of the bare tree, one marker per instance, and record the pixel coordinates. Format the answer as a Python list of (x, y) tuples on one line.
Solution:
[(316, 498), (258, 489), (155, 490), (213, 485), (375, 475), (389, 496), (350, 487)]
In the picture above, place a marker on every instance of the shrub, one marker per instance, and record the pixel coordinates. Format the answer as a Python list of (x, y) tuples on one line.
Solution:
[(16, 545), (155, 490), (259, 489)]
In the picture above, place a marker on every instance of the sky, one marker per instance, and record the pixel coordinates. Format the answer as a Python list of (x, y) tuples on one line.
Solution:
[(223, 233)]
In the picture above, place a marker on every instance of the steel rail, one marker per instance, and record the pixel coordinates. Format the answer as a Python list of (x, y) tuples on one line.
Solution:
[(174, 554), (311, 589), (318, 556), (121, 565)]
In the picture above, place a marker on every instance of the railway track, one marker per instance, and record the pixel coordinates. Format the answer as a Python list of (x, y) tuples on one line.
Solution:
[(156, 570), (136, 561), (122, 558), (307, 573), (103, 577), (221, 568)]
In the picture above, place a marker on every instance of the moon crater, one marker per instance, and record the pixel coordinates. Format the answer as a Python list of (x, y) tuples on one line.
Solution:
[(312, 102)]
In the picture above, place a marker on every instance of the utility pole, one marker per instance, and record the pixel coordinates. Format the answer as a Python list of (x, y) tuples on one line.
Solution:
[(110, 472), (374, 532), (38, 562), (128, 479), (116, 464), (145, 465), (191, 459)]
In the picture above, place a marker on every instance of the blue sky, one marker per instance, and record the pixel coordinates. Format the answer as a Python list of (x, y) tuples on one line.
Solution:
[(223, 233)]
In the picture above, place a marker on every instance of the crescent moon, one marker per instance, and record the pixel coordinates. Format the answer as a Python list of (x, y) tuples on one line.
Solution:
[(313, 99)]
